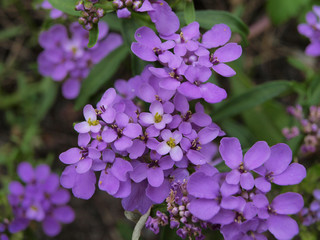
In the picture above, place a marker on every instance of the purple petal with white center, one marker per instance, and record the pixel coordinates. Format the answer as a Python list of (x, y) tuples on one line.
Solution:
[(82, 127), (217, 36), (120, 169), (132, 130), (166, 134), (108, 183), (139, 172), (287, 203), (146, 118), (153, 144), (280, 158), (155, 176), (190, 90), (158, 194), (51, 227), (124, 189), (256, 155), (84, 165), (262, 184), (156, 107), (89, 113), (228, 52), (166, 118), (196, 157), (282, 227), (207, 134), (201, 119), (64, 214), (177, 136), (231, 152), (294, 174), (202, 186), (176, 153), (211, 93), (163, 148), (224, 70), (25, 172), (204, 209), (123, 143), (233, 177)]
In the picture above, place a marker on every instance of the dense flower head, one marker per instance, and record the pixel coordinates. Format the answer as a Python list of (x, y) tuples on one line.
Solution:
[(311, 30), (68, 59), (311, 215), (54, 13), (309, 127), (188, 59), (39, 198), (89, 13), (136, 150)]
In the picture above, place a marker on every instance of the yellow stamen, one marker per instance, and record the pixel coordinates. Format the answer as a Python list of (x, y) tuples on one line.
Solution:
[(93, 123), (157, 118), (171, 143)]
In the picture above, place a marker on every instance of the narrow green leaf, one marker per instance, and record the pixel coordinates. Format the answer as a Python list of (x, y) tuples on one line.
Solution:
[(140, 225), (11, 32), (251, 98), (100, 74), (189, 12), (66, 6), (93, 35), (113, 21)]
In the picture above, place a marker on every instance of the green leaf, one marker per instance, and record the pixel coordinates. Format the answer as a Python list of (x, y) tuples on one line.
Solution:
[(140, 225), (66, 6), (251, 98), (283, 10), (113, 21), (100, 74), (189, 12), (93, 35), (208, 18)]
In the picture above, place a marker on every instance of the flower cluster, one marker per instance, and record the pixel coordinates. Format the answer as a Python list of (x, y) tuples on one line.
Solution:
[(54, 13), (310, 127), (89, 13), (311, 29), (187, 68), (137, 152), (311, 215), (41, 199), (68, 59)]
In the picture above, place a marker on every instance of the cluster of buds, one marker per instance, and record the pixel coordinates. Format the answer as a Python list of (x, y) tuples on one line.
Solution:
[(123, 7), (310, 127), (180, 217), (89, 13), (153, 223)]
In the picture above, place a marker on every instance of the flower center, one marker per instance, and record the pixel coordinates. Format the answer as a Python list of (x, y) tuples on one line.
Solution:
[(93, 123), (157, 118), (171, 143)]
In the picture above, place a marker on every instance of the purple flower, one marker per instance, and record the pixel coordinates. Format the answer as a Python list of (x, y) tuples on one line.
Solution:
[(41, 200), (170, 144), (231, 153), (91, 124), (68, 59), (157, 117)]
